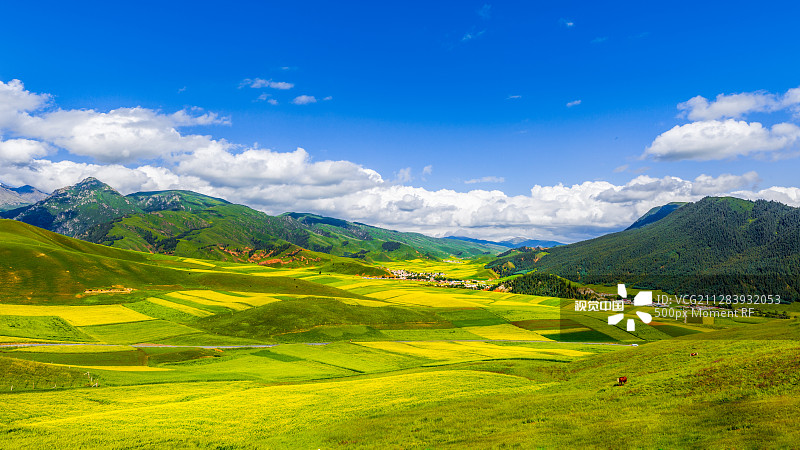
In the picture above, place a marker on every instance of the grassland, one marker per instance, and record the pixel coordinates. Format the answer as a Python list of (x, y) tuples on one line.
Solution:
[(224, 355)]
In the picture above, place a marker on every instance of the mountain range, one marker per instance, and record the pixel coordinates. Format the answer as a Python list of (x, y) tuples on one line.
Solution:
[(11, 197), (712, 246), (511, 243), (185, 223)]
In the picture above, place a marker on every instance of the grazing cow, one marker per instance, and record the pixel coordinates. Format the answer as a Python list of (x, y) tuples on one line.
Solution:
[(693, 354), (621, 381)]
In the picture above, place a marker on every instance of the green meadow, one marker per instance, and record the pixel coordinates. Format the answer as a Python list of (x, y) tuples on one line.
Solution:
[(208, 354)]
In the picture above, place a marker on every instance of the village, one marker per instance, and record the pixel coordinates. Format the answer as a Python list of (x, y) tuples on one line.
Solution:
[(438, 279)]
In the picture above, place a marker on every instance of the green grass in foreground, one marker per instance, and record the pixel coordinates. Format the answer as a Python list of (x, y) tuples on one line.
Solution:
[(736, 392), (42, 327)]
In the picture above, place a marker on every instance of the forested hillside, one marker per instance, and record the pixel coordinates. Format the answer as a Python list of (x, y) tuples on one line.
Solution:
[(714, 246)]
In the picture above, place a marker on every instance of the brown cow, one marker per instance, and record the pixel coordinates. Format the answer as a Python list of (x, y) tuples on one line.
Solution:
[(621, 381)]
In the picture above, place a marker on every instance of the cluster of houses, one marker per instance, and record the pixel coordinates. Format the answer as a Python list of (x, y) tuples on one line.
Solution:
[(437, 278)]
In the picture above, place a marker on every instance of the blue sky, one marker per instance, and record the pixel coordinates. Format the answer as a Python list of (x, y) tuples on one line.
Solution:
[(488, 96)]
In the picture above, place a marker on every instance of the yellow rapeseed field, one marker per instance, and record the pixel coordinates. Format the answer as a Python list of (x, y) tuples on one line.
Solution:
[(79, 316)]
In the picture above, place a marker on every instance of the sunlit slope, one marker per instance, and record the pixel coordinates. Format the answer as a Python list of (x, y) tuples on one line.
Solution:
[(38, 265), (740, 390)]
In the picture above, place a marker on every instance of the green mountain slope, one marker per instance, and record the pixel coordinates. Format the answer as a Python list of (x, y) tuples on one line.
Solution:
[(713, 246), (189, 224), (349, 238), (73, 210), (39, 266)]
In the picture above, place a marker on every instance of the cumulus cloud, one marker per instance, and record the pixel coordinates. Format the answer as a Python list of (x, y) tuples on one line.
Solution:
[(643, 188), (738, 105), (304, 100), (17, 151), (490, 179), (15, 102), (787, 195), (257, 83), (728, 106), (713, 139), (718, 131), (259, 166), (119, 135)]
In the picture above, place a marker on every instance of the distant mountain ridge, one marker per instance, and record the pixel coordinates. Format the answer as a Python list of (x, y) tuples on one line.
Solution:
[(11, 197), (189, 224), (715, 246), (510, 243)]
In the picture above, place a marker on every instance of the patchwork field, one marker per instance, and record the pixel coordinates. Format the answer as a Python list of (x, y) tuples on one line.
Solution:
[(223, 355)]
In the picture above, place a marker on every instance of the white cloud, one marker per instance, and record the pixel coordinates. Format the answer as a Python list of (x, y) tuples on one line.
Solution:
[(15, 102), (513, 97), (304, 100), (787, 195), (728, 106), (708, 185), (404, 175), (427, 170), (272, 101), (258, 83), (486, 180), (119, 135), (791, 98), (643, 188), (328, 98), (735, 106), (714, 139), (266, 167), (717, 131), (573, 103), (566, 23), (22, 150)]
